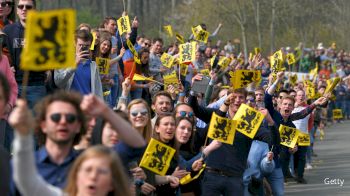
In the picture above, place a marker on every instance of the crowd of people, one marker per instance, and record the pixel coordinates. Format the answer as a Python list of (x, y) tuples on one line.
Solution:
[(81, 132)]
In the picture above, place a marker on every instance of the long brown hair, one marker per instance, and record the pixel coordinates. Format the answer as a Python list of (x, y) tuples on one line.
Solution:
[(119, 178), (147, 131)]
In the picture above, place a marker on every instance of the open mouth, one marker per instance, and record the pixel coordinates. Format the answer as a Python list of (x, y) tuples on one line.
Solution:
[(91, 188)]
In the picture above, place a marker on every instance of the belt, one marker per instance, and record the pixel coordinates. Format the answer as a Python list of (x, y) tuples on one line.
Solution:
[(222, 172)]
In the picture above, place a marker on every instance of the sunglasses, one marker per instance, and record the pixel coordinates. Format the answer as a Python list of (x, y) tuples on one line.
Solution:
[(184, 113), (28, 7), (70, 118), (136, 113), (251, 100), (5, 4)]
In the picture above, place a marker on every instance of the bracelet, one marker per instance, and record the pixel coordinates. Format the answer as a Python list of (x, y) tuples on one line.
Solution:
[(182, 94), (122, 97)]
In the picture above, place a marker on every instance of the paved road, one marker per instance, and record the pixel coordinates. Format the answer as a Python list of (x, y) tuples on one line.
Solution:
[(332, 162)]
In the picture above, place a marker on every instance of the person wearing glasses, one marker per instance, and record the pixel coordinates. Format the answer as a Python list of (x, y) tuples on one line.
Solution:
[(7, 14), (14, 42), (60, 122)]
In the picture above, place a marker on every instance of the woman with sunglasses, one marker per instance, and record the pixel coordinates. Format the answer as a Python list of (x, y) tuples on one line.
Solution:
[(7, 14)]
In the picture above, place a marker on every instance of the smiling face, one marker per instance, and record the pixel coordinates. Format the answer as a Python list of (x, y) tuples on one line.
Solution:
[(105, 47), (183, 131), (64, 130), (166, 129), (94, 176), (236, 101), (139, 115), (162, 105)]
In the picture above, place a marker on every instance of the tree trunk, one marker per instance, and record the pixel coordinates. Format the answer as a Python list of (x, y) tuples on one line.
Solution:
[(272, 27), (245, 45), (258, 24), (104, 8)]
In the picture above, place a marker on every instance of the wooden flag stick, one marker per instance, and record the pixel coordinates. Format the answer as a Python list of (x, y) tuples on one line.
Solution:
[(124, 4), (25, 84)]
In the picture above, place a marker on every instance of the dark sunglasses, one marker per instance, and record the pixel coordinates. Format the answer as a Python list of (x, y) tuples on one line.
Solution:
[(5, 4), (251, 100), (70, 118), (136, 113), (184, 113), (28, 7)]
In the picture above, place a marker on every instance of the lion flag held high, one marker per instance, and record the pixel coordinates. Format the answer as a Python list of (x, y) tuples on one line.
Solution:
[(49, 40), (248, 120), (157, 157)]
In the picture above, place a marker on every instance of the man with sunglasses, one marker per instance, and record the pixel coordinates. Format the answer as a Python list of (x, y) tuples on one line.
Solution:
[(14, 42)]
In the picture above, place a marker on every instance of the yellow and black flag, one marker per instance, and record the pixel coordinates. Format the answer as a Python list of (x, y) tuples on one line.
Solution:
[(257, 50), (123, 25), (133, 51), (241, 78), (180, 38), (157, 157), (190, 177), (103, 65), (222, 129), (200, 34), (289, 136), (224, 62), (248, 120), (167, 60), (290, 58), (293, 78), (169, 30), (276, 62), (303, 139), (337, 114), (49, 40), (171, 79), (187, 52), (331, 84)]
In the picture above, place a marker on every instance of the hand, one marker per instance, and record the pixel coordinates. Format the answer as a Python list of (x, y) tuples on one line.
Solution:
[(147, 188), (213, 75), (21, 118), (81, 55), (197, 164), (269, 156), (122, 52), (220, 25), (172, 91), (320, 101), (293, 150), (180, 173), (163, 69), (267, 115), (197, 77), (138, 173), (126, 86), (93, 106), (280, 75), (13, 69), (229, 99), (173, 181), (135, 23)]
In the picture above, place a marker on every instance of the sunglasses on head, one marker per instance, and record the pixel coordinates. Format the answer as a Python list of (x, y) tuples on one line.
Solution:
[(70, 118), (28, 7), (5, 4), (136, 113), (184, 113)]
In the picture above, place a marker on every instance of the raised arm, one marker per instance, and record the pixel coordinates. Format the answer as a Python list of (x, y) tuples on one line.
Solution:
[(96, 107)]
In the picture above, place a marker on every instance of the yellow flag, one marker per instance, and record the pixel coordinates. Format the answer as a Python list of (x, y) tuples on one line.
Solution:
[(171, 79), (167, 60), (250, 56), (310, 92), (169, 30), (133, 51), (224, 62), (313, 72), (187, 52), (92, 47), (200, 34), (257, 50), (189, 178), (331, 84), (289, 136), (293, 79), (103, 65), (123, 25), (180, 38), (138, 77), (157, 157), (290, 58), (276, 61), (303, 139), (183, 69), (241, 78), (205, 72), (222, 129), (49, 40), (248, 120), (212, 60), (337, 114)]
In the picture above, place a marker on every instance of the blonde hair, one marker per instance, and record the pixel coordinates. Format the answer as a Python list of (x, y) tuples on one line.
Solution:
[(147, 131), (119, 178)]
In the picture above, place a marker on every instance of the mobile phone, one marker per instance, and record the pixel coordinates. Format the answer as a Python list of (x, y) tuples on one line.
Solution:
[(200, 86)]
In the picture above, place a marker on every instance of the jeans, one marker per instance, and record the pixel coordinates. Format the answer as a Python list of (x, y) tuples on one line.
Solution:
[(215, 184), (115, 91), (276, 182), (33, 94)]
